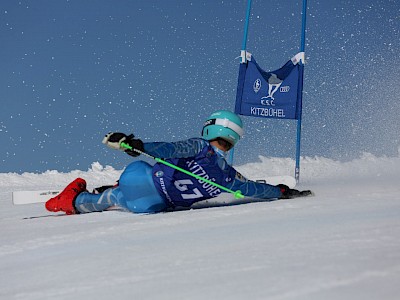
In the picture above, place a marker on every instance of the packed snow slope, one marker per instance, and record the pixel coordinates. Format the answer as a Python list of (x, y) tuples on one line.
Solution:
[(343, 243)]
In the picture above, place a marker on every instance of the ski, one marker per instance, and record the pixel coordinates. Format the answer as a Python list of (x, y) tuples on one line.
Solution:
[(41, 196), (29, 197)]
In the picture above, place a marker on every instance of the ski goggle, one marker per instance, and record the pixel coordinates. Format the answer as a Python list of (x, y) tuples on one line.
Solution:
[(223, 143)]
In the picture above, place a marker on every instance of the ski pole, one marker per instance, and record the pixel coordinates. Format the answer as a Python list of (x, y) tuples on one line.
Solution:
[(237, 194)]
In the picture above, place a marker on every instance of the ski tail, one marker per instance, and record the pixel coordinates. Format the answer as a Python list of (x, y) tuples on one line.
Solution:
[(28, 197)]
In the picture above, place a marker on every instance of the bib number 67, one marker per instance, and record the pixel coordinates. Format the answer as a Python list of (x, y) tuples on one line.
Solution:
[(188, 192)]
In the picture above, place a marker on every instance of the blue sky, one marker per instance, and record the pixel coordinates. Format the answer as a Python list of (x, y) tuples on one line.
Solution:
[(74, 70)]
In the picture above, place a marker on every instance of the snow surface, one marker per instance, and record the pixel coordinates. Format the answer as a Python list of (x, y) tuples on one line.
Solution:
[(341, 244)]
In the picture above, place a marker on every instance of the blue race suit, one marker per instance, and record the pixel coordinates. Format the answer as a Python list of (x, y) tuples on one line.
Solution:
[(176, 188)]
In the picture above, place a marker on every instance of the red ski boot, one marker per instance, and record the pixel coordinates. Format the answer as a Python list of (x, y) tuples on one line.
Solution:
[(64, 200)]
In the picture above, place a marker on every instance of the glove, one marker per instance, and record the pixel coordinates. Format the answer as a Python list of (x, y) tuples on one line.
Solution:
[(114, 140), (288, 193)]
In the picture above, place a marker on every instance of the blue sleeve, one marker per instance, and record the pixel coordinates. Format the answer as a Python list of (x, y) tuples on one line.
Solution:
[(254, 189), (187, 148)]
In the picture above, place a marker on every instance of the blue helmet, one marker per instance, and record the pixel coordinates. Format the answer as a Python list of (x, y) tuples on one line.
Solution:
[(223, 124)]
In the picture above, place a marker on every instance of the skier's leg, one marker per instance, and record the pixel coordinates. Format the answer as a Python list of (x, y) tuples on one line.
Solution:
[(88, 202), (64, 201), (139, 192), (136, 192)]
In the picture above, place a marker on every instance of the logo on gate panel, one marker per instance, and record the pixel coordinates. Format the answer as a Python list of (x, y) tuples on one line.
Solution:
[(274, 85), (257, 85)]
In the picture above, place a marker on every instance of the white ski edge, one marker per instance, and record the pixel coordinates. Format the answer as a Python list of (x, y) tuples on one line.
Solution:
[(28, 197)]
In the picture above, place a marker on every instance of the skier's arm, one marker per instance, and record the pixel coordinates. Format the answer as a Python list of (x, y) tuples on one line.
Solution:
[(186, 148), (247, 187), (264, 191), (255, 189), (180, 149)]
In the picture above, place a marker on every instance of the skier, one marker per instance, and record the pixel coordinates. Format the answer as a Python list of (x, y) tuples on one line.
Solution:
[(143, 188)]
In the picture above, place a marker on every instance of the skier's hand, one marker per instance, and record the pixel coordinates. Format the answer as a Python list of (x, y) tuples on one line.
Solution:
[(288, 193), (114, 140), (135, 144)]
